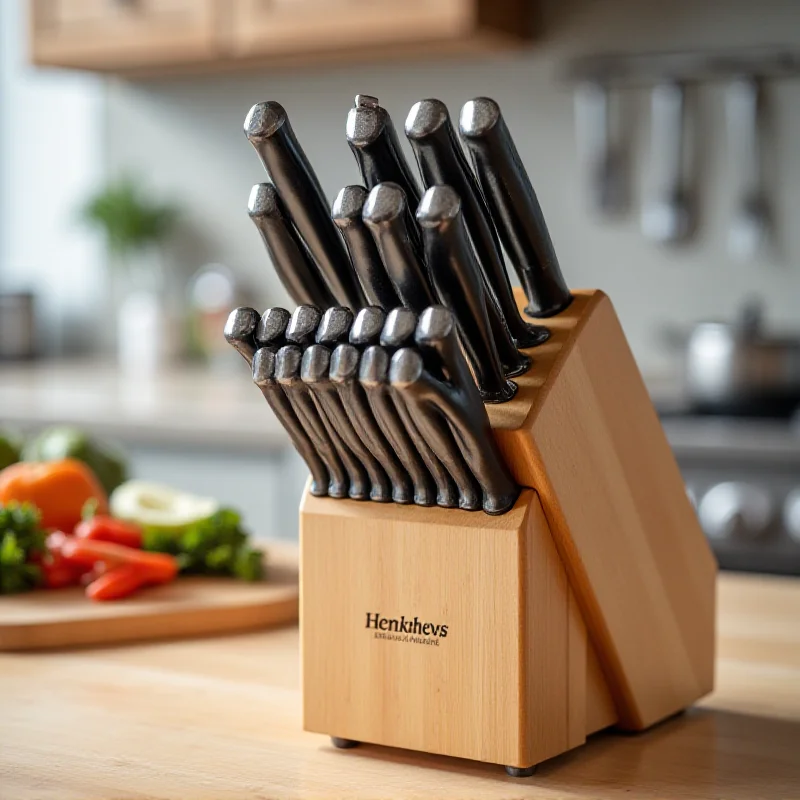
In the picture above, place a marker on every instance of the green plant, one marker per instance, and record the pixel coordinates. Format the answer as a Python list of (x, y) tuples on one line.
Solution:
[(128, 218)]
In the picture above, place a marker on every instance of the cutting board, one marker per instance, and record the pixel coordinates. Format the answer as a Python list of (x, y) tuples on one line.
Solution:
[(195, 606)]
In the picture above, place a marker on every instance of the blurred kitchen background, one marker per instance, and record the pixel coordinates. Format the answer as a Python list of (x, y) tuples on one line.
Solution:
[(124, 178)]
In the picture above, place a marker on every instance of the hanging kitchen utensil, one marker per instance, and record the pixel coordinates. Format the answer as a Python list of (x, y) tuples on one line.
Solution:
[(667, 217), (601, 155), (750, 225)]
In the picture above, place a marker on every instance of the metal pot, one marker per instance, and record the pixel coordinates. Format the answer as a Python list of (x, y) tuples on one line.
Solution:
[(740, 369)]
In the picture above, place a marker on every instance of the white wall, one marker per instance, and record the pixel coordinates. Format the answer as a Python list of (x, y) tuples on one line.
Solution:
[(51, 156), (183, 136)]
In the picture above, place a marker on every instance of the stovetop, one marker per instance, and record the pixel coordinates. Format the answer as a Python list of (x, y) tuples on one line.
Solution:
[(743, 476)]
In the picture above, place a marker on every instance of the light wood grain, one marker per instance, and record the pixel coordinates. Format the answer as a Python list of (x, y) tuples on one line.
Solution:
[(497, 687), (158, 37), (221, 718), (583, 432), (193, 606), (98, 34)]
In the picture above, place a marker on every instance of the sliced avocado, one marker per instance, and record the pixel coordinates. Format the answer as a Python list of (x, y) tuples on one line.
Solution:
[(154, 505)]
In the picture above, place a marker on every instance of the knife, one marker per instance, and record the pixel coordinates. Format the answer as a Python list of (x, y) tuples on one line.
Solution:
[(240, 330), (441, 161), (268, 129), (405, 377), (287, 374), (271, 331), (373, 375), (264, 377), (346, 214), (514, 207), (344, 374), (384, 215), (303, 324), (297, 272), (455, 396), (399, 328), (458, 283), (359, 462), (398, 331), (334, 327), (373, 140), (367, 326)]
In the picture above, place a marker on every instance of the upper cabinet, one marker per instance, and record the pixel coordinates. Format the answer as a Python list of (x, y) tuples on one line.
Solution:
[(160, 36), (117, 35)]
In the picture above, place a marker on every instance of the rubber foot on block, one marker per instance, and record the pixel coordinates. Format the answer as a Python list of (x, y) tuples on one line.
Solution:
[(521, 772), (343, 744)]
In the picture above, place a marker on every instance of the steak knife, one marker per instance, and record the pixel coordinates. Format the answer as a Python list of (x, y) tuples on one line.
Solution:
[(264, 377), (373, 375), (344, 374), (514, 207), (457, 399), (240, 331), (362, 466), (287, 373), (405, 378)]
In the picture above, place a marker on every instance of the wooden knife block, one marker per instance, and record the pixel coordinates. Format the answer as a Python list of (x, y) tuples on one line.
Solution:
[(591, 603)]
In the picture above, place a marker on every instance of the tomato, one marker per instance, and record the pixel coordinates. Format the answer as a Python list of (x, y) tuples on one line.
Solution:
[(108, 529), (57, 572)]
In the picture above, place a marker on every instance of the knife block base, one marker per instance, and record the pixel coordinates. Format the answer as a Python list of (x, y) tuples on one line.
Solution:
[(445, 631), (583, 432), (591, 603)]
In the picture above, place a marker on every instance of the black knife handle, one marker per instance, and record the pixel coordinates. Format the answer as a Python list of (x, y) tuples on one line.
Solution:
[(334, 327), (384, 215), (399, 328), (346, 214), (441, 161), (373, 375), (302, 326), (298, 273), (268, 129), (514, 206), (367, 478), (344, 374), (264, 378), (433, 426), (374, 143), (287, 374), (458, 282), (271, 331), (437, 338), (469, 425), (240, 331), (367, 326)]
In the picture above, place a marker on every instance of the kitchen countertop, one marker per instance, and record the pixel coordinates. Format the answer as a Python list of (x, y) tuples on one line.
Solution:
[(184, 406), (220, 718), (195, 407)]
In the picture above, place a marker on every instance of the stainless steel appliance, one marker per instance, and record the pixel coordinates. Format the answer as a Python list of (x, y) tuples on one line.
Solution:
[(743, 475), (17, 328)]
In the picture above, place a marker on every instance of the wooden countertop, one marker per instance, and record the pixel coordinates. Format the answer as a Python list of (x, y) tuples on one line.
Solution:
[(220, 718)]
